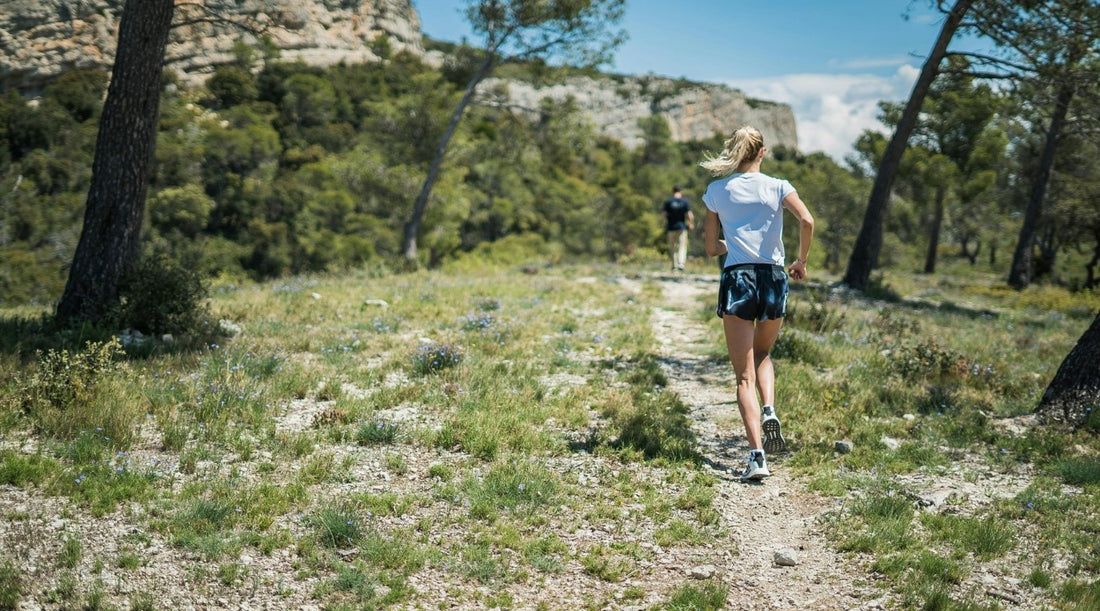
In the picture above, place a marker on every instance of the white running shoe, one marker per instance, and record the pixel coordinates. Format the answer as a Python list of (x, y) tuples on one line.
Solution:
[(757, 468), (773, 436)]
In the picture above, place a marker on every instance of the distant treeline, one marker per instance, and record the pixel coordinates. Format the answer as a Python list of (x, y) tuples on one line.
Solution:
[(302, 169)]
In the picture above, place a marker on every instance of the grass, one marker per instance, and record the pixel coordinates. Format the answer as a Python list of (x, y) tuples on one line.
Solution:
[(472, 427)]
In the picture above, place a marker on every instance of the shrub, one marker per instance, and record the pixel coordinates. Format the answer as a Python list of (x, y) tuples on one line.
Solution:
[(816, 314), (163, 296), (431, 357), (337, 526), (375, 433), (928, 360), (66, 393)]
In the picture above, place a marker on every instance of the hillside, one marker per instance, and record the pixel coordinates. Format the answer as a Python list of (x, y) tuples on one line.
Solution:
[(39, 40)]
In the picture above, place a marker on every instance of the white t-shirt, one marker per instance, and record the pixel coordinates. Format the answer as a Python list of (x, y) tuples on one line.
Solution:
[(750, 206)]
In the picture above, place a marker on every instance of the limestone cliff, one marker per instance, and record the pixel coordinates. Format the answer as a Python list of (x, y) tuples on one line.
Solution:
[(40, 39), (694, 111)]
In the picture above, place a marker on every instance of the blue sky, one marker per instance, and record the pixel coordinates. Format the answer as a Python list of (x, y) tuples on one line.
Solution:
[(830, 60)]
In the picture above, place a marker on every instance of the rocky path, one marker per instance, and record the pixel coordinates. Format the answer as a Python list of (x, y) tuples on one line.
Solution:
[(773, 522)]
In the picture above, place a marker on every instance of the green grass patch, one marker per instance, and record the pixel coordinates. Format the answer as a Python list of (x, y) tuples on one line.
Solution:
[(710, 595)]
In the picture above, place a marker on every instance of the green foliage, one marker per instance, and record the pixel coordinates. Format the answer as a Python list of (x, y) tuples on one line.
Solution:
[(79, 92), (185, 210), (658, 427), (337, 525), (232, 86), (375, 432), (19, 470), (162, 295), (11, 585), (70, 391), (517, 485), (815, 312), (432, 357), (710, 595), (1080, 471)]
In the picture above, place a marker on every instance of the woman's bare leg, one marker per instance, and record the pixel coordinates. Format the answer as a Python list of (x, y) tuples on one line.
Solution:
[(766, 333), (740, 341)]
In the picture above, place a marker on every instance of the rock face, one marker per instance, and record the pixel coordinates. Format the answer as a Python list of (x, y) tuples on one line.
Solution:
[(694, 111), (40, 39)]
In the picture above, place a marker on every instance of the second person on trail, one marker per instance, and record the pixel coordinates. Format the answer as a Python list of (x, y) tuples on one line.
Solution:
[(678, 222), (745, 222)]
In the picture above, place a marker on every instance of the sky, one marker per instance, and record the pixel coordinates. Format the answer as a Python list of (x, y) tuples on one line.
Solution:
[(830, 60)]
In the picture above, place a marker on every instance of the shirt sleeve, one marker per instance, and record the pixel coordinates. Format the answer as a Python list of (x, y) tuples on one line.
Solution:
[(785, 189), (707, 202)]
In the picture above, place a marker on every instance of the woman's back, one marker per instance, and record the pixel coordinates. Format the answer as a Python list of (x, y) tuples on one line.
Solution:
[(750, 208)]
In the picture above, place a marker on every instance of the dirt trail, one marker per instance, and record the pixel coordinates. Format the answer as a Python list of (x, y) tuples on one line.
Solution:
[(763, 518)]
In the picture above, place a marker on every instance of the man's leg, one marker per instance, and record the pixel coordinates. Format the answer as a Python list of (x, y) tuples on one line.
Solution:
[(672, 246), (682, 249)]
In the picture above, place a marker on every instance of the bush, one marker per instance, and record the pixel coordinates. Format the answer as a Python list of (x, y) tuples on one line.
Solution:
[(431, 357), (816, 314), (926, 360), (163, 296), (66, 393)]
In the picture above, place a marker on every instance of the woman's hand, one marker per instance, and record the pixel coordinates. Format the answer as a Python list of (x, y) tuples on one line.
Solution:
[(797, 270)]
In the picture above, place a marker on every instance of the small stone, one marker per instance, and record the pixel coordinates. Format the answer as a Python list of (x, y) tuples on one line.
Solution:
[(934, 499), (705, 571), (378, 303), (786, 557), (315, 296), (843, 447), (909, 417), (891, 443)]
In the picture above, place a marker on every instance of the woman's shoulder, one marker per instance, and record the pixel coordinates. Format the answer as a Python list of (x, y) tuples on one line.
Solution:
[(774, 180)]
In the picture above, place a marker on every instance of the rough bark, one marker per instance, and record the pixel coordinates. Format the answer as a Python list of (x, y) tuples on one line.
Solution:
[(1019, 275), (869, 241), (123, 160), (1075, 390), (934, 232)]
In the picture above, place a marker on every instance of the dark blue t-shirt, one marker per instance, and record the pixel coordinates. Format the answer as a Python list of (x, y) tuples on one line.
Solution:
[(676, 209)]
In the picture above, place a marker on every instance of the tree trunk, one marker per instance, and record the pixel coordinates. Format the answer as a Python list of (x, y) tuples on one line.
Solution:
[(934, 237), (1019, 275), (869, 241), (412, 227), (1090, 267), (122, 165), (1075, 390)]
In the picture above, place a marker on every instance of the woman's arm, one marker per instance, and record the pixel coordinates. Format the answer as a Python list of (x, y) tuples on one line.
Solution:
[(712, 235), (793, 203)]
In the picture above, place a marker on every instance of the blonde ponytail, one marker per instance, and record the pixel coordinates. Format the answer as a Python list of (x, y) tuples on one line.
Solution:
[(744, 145)]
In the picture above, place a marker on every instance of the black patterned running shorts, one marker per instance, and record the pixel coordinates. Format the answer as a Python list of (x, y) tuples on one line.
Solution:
[(753, 292)]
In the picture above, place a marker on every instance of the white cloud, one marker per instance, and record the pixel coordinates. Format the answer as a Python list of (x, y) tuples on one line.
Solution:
[(832, 110)]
